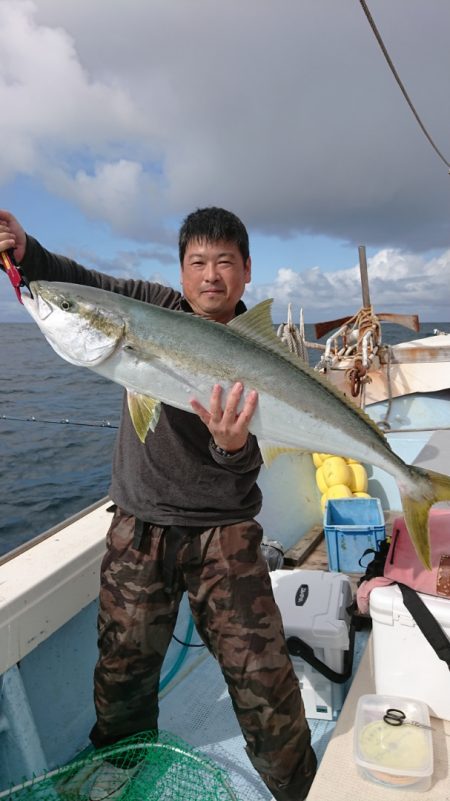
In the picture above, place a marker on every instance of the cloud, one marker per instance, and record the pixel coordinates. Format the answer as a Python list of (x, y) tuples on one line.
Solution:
[(55, 108), (399, 282), (122, 192), (138, 263), (137, 112)]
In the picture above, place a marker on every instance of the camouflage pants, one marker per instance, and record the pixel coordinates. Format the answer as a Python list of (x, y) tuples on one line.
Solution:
[(230, 595)]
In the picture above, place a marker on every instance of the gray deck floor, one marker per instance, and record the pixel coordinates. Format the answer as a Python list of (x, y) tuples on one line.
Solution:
[(198, 709)]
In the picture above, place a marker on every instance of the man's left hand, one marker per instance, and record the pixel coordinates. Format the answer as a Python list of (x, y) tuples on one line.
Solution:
[(228, 427)]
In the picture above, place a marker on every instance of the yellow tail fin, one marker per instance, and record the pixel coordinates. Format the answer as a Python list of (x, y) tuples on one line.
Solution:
[(433, 487)]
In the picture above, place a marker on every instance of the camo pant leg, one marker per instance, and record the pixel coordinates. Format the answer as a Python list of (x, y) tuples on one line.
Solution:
[(232, 603), (135, 626)]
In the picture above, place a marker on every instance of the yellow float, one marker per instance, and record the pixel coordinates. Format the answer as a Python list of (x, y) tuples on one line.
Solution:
[(337, 477), (319, 458), (358, 477), (336, 471)]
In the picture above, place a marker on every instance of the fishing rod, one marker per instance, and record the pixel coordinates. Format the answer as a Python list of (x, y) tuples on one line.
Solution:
[(65, 422)]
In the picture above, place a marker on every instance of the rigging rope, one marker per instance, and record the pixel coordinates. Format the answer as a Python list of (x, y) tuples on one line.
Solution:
[(294, 337), (399, 81)]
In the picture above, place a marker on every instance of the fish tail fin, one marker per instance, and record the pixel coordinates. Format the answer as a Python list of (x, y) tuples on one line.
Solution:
[(433, 487)]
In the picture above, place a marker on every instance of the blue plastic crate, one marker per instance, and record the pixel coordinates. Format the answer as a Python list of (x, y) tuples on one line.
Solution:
[(351, 526)]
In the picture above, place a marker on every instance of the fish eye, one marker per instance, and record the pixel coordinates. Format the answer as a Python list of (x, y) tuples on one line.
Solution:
[(65, 305)]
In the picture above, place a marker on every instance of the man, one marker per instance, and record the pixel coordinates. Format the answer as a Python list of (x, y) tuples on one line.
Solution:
[(186, 502)]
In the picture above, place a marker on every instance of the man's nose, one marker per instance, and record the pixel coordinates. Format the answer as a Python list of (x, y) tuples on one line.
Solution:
[(211, 272)]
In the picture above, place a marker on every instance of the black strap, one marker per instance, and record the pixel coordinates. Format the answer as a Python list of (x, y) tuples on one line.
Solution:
[(427, 623), (174, 537), (298, 647), (376, 566), (141, 538)]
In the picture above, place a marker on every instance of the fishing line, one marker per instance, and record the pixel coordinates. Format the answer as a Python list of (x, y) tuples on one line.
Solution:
[(65, 422), (113, 426)]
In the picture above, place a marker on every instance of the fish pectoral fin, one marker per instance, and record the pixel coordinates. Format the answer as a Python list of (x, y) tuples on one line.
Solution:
[(271, 450), (144, 412)]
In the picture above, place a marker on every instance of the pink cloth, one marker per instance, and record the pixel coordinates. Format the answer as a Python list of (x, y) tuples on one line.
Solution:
[(403, 565), (364, 590)]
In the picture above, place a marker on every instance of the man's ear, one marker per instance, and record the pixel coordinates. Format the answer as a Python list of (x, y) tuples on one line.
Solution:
[(248, 270)]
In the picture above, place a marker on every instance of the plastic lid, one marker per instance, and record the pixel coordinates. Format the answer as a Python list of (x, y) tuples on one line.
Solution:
[(405, 751)]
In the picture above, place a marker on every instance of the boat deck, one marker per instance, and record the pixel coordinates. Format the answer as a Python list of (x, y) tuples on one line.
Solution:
[(213, 729), (208, 722)]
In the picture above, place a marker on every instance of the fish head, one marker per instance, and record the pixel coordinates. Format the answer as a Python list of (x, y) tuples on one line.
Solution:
[(79, 328)]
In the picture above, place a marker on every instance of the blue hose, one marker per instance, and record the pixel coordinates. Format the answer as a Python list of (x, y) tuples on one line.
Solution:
[(180, 658)]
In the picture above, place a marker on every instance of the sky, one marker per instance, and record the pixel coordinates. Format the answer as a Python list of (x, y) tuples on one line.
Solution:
[(119, 117)]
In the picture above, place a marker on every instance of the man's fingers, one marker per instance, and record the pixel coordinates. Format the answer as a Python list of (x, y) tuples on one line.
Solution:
[(228, 414), (250, 405), (215, 403), (244, 417), (201, 411), (230, 411), (7, 239)]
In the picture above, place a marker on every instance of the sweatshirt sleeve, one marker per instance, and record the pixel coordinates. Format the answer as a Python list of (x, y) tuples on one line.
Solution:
[(39, 263), (243, 461)]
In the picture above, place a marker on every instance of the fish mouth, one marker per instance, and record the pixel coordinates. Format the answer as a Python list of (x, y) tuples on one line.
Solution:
[(40, 310), (80, 339), (36, 306)]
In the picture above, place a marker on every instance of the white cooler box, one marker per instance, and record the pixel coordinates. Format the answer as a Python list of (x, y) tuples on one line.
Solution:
[(404, 662), (313, 606)]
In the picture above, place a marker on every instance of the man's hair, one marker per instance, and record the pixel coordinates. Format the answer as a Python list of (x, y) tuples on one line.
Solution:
[(213, 225)]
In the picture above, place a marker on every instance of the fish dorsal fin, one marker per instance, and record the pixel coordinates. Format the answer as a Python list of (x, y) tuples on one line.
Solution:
[(256, 325), (144, 413)]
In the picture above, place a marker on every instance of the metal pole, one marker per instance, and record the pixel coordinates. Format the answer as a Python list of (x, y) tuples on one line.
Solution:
[(364, 276)]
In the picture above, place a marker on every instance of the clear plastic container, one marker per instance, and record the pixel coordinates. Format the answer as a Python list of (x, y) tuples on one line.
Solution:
[(393, 756)]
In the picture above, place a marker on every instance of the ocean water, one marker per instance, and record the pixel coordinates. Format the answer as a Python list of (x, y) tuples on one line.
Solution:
[(51, 470)]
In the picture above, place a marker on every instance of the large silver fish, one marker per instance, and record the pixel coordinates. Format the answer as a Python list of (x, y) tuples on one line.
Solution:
[(162, 355)]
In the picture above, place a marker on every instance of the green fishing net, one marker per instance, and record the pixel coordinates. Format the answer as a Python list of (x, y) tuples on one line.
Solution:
[(161, 768)]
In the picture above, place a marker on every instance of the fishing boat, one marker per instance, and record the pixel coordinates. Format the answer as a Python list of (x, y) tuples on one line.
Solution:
[(404, 388), (49, 587)]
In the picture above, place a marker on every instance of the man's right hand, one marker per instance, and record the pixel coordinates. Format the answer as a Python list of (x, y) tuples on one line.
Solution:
[(12, 236)]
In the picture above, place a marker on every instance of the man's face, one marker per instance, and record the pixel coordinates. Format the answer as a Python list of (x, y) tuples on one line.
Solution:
[(213, 277)]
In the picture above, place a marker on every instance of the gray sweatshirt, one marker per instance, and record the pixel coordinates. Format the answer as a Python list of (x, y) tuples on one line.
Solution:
[(175, 477)]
